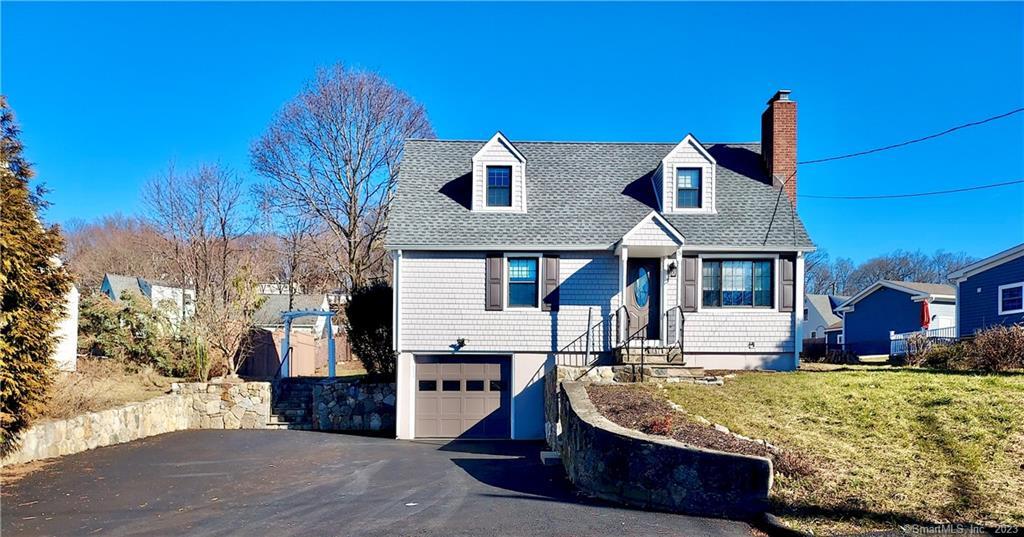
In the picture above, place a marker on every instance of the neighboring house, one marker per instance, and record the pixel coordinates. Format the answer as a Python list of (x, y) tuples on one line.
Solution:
[(892, 306), (177, 302), (506, 252), (277, 288), (820, 314), (990, 292), (834, 336), (268, 316)]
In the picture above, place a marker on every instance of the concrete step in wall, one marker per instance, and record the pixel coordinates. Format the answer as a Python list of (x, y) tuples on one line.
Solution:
[(655, 355)]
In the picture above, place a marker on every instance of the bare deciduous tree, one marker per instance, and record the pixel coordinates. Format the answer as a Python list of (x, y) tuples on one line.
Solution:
[(203, 220), (118, 244), (333, 153), (842, 277)]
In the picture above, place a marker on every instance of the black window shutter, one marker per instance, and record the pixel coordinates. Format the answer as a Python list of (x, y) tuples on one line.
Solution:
[(494, 264), (550, 290), (690, 281), (787, 283)]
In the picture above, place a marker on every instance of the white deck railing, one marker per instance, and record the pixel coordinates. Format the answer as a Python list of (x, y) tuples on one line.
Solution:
[(898, 342)]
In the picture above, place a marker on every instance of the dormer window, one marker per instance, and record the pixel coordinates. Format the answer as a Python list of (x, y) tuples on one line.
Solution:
[(684, 182), (499, 177), (499, 186), (688, 193)]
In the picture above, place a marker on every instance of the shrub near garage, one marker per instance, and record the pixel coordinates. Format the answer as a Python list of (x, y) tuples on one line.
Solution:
[(368, 322)]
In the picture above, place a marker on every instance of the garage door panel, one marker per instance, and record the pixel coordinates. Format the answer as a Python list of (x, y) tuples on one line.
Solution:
[(475, 407), (451, 370), (451, 405), (462, 397)]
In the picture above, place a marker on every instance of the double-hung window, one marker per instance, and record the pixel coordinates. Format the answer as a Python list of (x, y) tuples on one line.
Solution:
[(523, 282), (688, 187), (737, 283), (1011, 298), (499, 186)]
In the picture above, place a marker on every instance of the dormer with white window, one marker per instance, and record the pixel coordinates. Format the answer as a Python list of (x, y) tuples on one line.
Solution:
[(499, 177), (685, 180)]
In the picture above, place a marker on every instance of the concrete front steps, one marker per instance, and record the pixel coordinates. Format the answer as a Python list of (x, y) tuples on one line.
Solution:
[(291, 404)]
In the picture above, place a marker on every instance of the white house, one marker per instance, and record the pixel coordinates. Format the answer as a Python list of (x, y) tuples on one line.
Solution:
[(176, 302), (820, 314), (508, 253)]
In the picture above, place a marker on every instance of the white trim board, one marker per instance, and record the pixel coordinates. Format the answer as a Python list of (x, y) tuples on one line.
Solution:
[(989, 262), (914, 294), (999, 298)]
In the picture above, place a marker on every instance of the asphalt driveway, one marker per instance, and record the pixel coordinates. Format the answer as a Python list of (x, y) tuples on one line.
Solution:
[(306, 483)]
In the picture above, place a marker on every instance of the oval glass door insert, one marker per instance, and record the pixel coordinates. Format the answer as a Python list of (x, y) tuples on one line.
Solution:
[(641, 289)]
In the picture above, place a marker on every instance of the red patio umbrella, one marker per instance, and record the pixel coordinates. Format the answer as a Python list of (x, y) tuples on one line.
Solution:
[(926, 317)]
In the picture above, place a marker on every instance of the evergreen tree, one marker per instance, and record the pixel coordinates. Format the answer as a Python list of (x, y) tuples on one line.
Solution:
[(33, 284)]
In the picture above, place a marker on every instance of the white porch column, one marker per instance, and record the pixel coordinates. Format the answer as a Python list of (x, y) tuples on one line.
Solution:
[(623, 257), (798, 310)]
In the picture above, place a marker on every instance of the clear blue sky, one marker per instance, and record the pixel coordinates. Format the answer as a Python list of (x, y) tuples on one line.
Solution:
[(108, 94)]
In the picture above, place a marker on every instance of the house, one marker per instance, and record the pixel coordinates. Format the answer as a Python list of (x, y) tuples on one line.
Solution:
[(820, 313), (175, 301), (508, 254), (268, 316), (65, 353), (893, 306), (990, 292), (834, 336)]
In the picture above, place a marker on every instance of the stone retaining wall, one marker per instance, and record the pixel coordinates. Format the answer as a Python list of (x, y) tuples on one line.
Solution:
[(244, 405), (607, 374), (627, 466), (354, 406), (188, 406)]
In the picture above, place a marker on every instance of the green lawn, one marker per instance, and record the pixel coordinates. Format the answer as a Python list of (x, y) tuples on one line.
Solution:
[(892, 446)]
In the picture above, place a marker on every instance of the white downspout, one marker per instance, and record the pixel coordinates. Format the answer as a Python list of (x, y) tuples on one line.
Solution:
[(396, 316), (798, 311)]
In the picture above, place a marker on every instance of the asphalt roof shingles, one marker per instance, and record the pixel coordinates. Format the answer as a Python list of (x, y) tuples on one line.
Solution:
[(582, 194)]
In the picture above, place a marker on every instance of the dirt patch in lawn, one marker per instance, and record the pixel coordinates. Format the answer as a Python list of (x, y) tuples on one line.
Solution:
[(644, 409)]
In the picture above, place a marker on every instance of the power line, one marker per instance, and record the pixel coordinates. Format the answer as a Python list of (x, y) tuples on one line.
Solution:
[(877, 150), (914, 141), (915, 194)]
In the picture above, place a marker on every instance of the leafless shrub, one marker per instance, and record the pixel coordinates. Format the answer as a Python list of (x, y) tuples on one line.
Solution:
[(999, 348)]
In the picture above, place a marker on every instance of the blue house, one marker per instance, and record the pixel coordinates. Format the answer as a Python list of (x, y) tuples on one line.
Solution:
[(834, 336), (990, 292), (892, 306)]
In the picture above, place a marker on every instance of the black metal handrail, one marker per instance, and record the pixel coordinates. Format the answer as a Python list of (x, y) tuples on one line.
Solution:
[(636, 336)]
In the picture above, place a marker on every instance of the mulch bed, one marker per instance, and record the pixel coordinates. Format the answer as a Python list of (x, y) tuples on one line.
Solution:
[(642, 408)]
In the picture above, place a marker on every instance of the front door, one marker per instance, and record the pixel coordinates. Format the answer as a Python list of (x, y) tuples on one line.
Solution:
[(643, 295)]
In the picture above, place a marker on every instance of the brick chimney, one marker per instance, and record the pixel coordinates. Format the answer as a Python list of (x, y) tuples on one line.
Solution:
[(778, 141)]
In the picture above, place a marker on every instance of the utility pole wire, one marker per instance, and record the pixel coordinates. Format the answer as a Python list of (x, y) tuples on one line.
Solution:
[(914, 141), (878, 150), (916, 194)]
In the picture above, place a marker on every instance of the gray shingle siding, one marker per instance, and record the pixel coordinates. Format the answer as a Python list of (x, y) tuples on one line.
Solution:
[(587, 194)]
